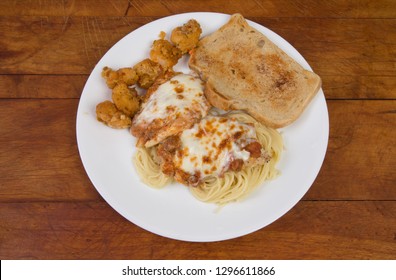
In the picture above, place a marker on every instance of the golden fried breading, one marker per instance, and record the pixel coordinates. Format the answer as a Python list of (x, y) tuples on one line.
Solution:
[(186, 37), (125, 75), (162, 35), (108, 113), (164, 53), (126, 99), (110, 76), (147, 71), (128, 75)]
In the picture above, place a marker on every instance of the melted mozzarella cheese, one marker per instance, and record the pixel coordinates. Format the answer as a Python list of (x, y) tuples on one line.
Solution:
[(174, 97), (210, 145)]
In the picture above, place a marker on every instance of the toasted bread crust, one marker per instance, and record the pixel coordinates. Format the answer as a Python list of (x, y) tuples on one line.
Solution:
[(244, 70)]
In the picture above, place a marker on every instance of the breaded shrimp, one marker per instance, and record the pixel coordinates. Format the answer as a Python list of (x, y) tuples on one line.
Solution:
[(126, 75), (108, 113), (164, 53), (126, 99), (186, 37), (147, 71)]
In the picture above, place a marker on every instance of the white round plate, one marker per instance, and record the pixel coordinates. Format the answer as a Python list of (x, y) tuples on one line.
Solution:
[(173, 212)]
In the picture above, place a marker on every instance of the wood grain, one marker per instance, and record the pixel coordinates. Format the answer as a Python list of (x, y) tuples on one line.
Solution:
[(63, 8), (59, 45), (268, 8), (361, 147), (249, 8), (38, 151), (311, 230), (359, 87), (73, 45), (39, 157), (42, 86)]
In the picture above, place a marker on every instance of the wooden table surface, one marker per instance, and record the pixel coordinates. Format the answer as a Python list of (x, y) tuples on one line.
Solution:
[(49, 209)]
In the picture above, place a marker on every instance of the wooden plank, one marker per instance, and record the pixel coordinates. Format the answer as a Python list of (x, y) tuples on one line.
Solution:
[(73, 45), (71, 86), (269, 8), (361, 156), (359, 87), (339, 230), (38, 151), (63, 8), (249, 8), (42, 86), (38, 154), (59, 45)]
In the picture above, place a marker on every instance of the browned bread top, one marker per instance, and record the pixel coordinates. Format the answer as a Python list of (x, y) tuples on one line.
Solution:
[(244, 70)]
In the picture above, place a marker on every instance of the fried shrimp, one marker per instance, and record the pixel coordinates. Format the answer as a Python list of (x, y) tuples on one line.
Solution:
[(164, 53), (186, 37), (125, 99), (147, 71), (126, 75), (108, 113)]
